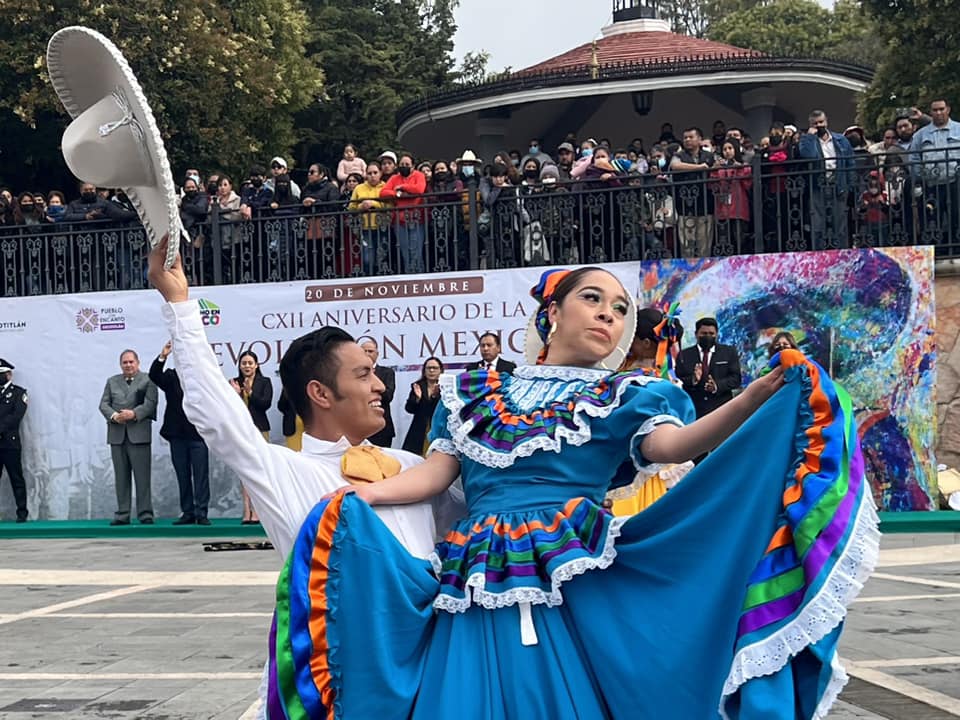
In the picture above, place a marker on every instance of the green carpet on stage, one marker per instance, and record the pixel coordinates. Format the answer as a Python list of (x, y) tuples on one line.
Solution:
[(944, 521), (162, 528)]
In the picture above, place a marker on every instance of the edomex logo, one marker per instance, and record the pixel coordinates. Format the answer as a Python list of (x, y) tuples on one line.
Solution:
[(209, 312)]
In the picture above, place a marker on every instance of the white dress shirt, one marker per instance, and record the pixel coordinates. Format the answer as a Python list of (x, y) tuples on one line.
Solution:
[(284, 485), (829, 153)]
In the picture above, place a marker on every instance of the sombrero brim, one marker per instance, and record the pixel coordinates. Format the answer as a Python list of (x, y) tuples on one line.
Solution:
[(532, 344), (84, 67)]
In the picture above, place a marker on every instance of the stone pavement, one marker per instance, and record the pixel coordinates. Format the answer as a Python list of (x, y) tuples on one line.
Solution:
[(160, 630)]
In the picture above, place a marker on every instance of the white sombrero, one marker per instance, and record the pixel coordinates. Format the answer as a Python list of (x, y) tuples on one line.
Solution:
[(113, 140)]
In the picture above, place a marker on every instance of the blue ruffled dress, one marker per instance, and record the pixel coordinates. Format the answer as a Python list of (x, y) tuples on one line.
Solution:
[(723, 599)]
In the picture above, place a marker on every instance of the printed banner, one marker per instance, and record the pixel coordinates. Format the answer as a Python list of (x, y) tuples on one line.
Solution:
[(867, 316), (65, 347)]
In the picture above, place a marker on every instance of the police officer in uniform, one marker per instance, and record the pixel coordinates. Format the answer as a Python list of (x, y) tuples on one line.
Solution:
[(13, 404)]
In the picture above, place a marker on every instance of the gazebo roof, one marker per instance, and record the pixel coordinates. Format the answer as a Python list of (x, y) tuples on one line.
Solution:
[(644, 46)]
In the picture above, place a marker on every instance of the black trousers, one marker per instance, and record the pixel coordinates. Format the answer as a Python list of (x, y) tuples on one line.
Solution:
[(10, 459)]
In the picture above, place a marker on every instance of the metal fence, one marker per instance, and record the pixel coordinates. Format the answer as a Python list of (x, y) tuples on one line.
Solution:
[(879, 201)]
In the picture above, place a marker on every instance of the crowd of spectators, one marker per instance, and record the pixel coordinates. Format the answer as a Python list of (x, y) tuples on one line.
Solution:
[(702, 192)]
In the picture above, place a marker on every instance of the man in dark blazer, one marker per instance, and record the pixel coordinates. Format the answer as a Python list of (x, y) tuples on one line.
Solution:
[(490, 355), (709, 371), (188, 451), (13, 405), (129, 404), (388, 377)]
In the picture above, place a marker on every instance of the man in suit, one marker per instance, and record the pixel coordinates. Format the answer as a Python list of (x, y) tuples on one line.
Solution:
[(129, 404), (490, 355), (387, 375), (13, 405), (831, 180), (188, 451), (709, 371)]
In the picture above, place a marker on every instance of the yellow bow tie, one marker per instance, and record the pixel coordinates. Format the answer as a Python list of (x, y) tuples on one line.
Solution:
[(367, 464)]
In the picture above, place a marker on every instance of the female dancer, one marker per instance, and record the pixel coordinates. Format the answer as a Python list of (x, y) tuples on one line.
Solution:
[(725, 596)]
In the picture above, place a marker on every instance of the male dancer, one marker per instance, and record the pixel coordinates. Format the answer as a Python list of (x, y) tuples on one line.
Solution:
[(330, 381)]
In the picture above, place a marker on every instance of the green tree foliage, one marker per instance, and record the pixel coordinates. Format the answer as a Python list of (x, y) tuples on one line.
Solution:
[(224, 79), (802, 28), (377, 55), (696, 17), (473, 68), (921, 61)]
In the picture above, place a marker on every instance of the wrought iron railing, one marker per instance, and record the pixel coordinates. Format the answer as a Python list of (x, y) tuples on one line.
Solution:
[(878, 201)]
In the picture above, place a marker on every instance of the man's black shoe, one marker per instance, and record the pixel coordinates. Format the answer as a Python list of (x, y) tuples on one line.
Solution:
[(184, 520), (147, 521), (203, 521), (21, 519), (114, 523)]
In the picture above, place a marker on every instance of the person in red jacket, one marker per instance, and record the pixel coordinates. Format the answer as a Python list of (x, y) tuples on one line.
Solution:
[(731, 180), (405, 190)]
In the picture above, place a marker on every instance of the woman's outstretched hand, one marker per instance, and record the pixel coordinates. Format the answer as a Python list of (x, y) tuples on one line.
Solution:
[(763, 388)]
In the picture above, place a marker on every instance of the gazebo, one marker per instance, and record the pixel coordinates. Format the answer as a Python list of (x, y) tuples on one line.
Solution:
[(636, 76)]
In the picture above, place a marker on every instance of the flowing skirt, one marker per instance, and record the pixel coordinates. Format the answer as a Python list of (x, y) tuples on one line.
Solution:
[(726, 598)]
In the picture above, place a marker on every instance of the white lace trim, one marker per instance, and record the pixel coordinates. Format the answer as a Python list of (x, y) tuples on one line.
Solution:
[(580, 434), (442, 445), (648, 427), (820, 616), (669, 474), (535, 596), (559, 372)]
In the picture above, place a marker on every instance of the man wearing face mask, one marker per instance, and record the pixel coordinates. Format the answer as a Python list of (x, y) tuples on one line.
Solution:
[(709, 371), (255, 197), (535, 153), (831, 179), (91, 206)]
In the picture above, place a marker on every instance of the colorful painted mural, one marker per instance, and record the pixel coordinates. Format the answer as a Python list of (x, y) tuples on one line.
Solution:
[(867, 316)]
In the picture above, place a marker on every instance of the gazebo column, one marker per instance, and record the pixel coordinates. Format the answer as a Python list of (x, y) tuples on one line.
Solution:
[(490, 130), (758, 106)]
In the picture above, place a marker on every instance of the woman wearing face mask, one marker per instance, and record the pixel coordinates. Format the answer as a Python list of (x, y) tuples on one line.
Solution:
[(194, 206), (546, 601), (421, 403), (256, 391), (28, 209), (445, 226), (731, 183), (56, 206), (531, 176)]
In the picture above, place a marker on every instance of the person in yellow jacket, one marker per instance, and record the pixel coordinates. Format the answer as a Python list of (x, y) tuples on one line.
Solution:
[(375, 226), (655, 342)]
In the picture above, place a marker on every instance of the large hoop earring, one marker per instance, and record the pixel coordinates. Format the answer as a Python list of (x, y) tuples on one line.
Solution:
[(616, 366), (553, 331)]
